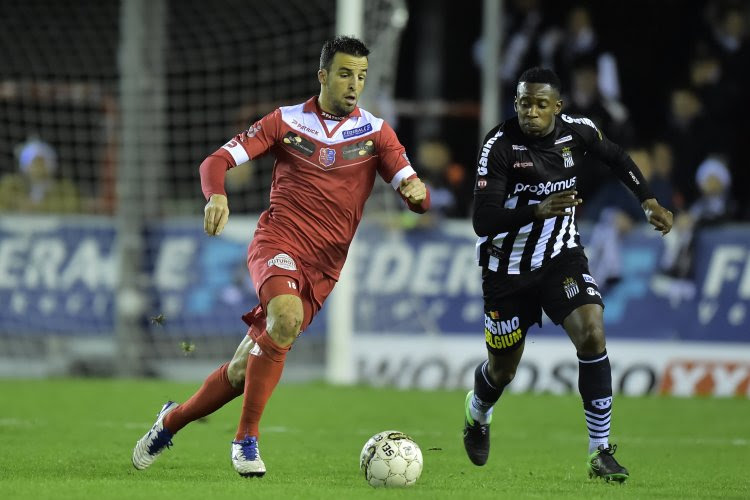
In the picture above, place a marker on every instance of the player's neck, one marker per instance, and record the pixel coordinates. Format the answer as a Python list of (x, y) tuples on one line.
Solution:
[(325, 110)]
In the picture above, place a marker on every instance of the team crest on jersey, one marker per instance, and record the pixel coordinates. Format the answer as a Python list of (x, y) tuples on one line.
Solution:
[(481, 183), (283, 261), (567, 157), (327, 156), (358, 149), (301, 144), (571, 287)]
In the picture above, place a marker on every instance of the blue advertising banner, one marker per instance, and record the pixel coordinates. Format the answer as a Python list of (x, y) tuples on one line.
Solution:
[(59, 275), (425, 281)]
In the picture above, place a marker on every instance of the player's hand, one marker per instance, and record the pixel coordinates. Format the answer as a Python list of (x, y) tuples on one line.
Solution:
[(413, 190), (216, 214), (557, 204), (658, 216)]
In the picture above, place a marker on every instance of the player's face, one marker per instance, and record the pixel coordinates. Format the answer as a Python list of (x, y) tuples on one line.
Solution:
[(341, 86), (536, 105)]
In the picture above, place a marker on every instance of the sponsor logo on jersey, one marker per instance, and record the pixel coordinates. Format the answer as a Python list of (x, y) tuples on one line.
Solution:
[(564, 139), (304, 128), (581, 121), (571, 287), (327, 156), (545, 188), (481, 183), (523, 164), (250, 132), (632, 176), (356, 131), (588, 278), (329, 116), (593, 291), (301, 144), (358, 149), (603, 403), (567, 157), (283, 261), (494, 314), (484, 157), (516, 147)]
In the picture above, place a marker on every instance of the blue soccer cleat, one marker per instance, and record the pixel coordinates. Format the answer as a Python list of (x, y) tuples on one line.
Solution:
[(154, 441), (246, 457)]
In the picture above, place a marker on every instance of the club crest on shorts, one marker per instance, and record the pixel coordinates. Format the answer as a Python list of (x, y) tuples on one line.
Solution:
[(327, 156), (571, 287), (283, 261)]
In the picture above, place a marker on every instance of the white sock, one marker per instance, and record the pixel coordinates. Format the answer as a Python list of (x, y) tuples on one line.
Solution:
[(594, 444), (477, 411)]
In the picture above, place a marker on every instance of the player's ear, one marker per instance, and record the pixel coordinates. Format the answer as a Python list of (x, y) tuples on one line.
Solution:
[(558, 106), (515, 104), (322, 76)]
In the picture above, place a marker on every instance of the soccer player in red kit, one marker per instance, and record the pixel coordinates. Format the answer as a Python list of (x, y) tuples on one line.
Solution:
[(328, 152)]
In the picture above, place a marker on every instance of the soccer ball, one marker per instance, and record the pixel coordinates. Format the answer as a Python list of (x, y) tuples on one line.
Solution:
[(391, 459)]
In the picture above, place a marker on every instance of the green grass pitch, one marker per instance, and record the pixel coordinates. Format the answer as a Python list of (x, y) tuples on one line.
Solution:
[(73, 439)]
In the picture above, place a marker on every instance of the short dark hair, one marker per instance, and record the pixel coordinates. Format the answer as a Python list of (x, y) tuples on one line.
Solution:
[(346, 44), (542, 75)]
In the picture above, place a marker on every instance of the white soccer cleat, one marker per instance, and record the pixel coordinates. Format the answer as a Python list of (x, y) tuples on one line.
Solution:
[(154, 441), (246, 457)]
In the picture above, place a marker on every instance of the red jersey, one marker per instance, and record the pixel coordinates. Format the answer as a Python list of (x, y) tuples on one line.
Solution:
[(324, 172)]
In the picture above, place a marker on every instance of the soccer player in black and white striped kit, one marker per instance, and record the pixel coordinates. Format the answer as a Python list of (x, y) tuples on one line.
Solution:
[(532, 259)]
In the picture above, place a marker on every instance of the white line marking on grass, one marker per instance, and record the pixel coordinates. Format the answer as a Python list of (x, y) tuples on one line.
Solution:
[(16, 422)]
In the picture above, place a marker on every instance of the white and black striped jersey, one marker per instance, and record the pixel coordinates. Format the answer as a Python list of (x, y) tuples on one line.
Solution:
[(515, 172)]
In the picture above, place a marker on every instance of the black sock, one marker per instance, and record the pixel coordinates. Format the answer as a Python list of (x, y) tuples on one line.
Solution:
[(485, 393), (595, 386)]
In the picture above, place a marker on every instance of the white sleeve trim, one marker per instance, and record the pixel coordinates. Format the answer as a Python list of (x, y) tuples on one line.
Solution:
[(237, 151), (402, 174)]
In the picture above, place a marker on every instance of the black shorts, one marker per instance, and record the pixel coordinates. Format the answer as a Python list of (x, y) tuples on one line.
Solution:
[(512, 303)]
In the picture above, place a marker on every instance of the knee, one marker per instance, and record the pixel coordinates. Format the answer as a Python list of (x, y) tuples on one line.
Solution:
[(284, 326), (236, 372), (590, 340), (500, 376)]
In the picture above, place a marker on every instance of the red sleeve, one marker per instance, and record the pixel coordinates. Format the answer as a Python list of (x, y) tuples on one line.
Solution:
[(247, 145), (394, 165)]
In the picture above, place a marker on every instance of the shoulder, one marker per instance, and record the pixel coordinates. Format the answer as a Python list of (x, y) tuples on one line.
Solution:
[(288, 113), (581, 126), (500, 138), (376, 124)]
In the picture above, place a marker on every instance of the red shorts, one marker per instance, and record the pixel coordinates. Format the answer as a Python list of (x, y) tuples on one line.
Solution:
[(277, 271)]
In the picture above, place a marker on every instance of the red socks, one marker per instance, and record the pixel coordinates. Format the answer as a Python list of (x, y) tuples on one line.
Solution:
[(215, 392), (263, 373)]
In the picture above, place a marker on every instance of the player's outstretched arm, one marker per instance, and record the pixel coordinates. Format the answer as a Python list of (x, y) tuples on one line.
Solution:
[(657, 216), (216, 214)]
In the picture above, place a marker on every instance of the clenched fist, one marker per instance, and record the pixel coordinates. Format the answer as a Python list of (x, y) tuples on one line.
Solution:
[(657, 216), (216, 214), (413, 190)]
